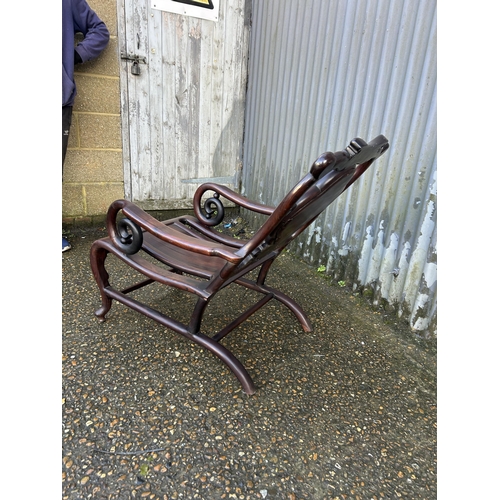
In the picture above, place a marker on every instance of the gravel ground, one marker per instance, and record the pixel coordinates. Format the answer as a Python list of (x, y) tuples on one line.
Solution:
[(345, 412)]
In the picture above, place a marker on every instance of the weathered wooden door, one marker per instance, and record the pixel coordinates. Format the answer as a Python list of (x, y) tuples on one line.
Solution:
[(183, 85)]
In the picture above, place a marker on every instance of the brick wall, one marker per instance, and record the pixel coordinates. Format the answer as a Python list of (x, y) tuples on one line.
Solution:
[(93, 171)]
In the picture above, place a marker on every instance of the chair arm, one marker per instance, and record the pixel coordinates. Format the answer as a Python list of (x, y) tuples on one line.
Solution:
[(161, 231), (205, 211)]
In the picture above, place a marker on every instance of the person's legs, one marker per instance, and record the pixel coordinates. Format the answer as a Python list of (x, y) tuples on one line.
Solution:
[(67, 112)]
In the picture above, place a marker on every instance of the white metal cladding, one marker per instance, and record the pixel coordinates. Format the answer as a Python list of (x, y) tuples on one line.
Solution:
[(322, 72)]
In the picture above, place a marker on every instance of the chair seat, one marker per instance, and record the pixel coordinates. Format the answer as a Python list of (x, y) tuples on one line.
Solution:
[(179, 259)]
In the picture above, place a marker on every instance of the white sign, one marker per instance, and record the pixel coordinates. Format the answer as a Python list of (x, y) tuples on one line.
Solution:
[(204, 9)]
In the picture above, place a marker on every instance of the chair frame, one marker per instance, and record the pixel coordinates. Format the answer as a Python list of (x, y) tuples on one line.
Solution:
[(189, 254)]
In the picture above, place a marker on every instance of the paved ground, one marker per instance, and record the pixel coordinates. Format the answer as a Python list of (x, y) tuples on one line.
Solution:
[(347, 411)]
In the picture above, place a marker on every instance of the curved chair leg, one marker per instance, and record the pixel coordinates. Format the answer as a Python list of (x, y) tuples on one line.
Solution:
[(197, 315), (294, 307), (214, 347), (263, 271), (226, 356), (97, 257), (280, 297)]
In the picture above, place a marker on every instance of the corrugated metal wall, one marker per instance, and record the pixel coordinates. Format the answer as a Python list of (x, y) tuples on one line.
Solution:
[(320, 73)]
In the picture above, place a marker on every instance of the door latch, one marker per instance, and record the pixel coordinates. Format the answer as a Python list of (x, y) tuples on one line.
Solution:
[(135, 69)]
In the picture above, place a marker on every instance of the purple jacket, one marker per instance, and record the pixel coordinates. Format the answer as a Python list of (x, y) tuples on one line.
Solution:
[(78, 17)]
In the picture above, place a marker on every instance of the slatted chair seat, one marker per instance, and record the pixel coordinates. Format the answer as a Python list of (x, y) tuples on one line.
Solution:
[(190, 254)]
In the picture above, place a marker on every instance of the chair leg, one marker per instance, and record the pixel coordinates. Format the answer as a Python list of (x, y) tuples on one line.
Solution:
[(197, 315), (97, 257), (212, 344), (295, 308), (263, 271), (208, 343), (242, 317), (231, 361), (280, 297)]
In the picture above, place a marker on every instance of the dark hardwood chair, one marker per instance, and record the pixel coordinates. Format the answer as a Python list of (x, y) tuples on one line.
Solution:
[(189, 254)]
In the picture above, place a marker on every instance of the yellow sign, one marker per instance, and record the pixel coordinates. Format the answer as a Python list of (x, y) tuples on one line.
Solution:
[(203, 9), (206, 4)]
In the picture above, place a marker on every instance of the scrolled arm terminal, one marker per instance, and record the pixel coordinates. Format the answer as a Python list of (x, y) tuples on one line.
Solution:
[(125, 234), (212, 212)]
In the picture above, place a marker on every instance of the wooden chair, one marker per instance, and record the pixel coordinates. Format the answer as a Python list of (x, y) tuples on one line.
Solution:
[(190, 255)]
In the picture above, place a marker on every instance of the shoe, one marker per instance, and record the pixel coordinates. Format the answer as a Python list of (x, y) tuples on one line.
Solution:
[(65, 244)]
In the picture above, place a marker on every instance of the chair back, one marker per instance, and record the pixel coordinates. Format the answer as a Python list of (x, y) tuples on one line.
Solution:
[(330, 175)]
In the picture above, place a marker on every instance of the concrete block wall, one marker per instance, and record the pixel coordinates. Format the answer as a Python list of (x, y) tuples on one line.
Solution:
[(93, 170)]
